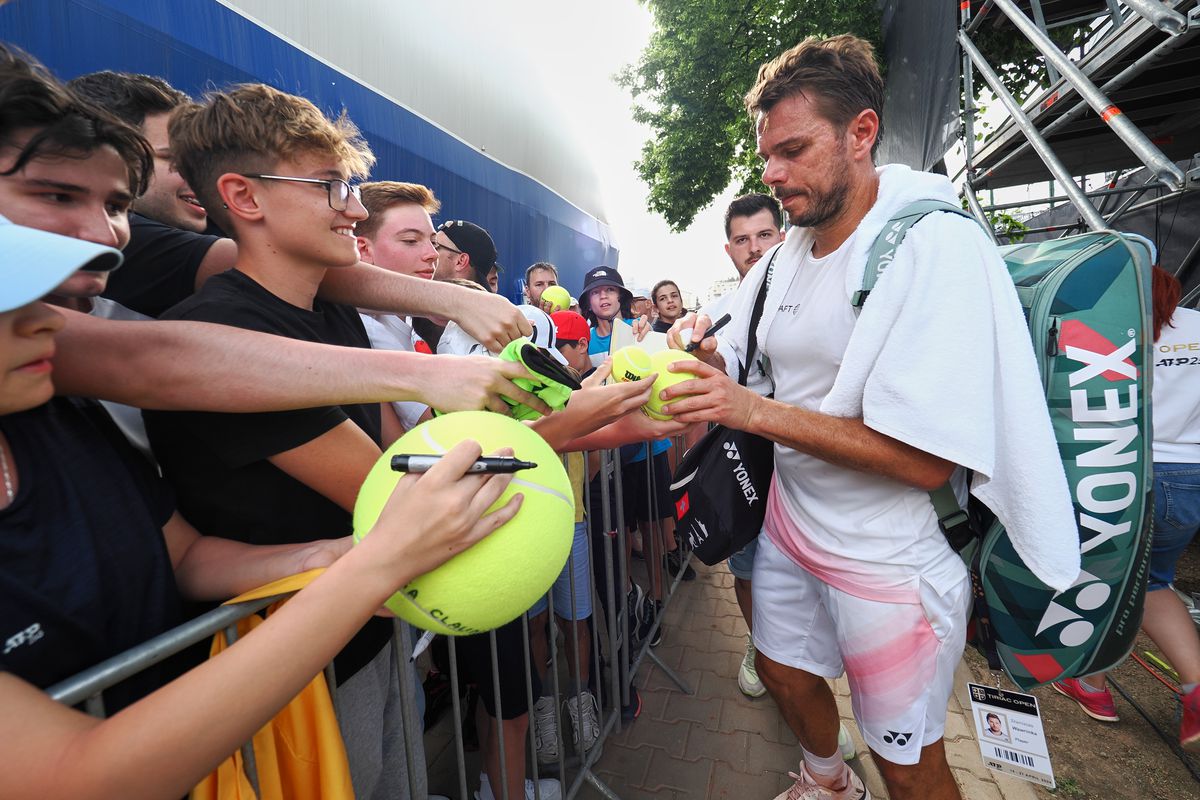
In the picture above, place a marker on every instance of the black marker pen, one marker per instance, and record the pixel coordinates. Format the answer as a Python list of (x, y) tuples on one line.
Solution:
[(492, 465)]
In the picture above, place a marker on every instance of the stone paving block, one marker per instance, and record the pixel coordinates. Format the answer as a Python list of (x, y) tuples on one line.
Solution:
[(616, 784), (763, 721), (958, 726), (729, 643), (700, 640), (643, 733), (714, 685), (841, 686), (728, 784), (963, 754), (765, 756), (845, 709), (627, 765), (693, 709), (657, 680), (975, 789), (690, 778), (724, 664), (730, 749), (1014, 788)]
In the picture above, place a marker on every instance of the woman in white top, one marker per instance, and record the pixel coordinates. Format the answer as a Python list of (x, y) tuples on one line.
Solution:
[(1176, 404)]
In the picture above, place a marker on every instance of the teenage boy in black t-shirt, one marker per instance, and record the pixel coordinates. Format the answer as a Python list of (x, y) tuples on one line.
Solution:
[(275, 173)]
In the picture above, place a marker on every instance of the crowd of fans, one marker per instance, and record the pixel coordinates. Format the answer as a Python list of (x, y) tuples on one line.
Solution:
[(251, 241)]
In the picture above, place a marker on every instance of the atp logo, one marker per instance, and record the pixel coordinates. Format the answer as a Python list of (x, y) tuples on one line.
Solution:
[(897, 738), (731, 451)]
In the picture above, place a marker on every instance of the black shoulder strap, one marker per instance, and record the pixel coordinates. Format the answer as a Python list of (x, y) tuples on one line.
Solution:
[(755, 316)]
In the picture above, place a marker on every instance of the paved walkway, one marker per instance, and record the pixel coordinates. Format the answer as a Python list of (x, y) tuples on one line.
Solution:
[(717, 743)]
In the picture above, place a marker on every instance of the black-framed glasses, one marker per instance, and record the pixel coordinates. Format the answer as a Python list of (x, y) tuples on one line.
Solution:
[(440, 247), (339, 190)]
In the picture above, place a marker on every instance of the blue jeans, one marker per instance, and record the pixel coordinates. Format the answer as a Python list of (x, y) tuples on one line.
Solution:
[(1176, 518), (741, 563)]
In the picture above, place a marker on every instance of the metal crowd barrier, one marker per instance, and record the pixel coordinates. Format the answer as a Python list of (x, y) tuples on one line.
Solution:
[(616, 653)]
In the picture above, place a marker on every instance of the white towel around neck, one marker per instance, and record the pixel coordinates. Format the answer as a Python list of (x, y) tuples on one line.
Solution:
[(969, 391)]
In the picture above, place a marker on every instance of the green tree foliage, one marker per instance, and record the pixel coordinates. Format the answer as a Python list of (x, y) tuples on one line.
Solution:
[(689, 83)]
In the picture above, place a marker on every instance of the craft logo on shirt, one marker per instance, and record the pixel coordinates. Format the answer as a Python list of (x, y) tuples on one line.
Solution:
[(28, 636)]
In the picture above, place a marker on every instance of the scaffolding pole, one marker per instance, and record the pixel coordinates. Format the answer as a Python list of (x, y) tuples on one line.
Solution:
[(1056, 167), (1163, 168), (1115, 83)]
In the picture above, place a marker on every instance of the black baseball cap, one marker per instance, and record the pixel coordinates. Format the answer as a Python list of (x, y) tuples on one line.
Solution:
[(474, 241), (604, 276)]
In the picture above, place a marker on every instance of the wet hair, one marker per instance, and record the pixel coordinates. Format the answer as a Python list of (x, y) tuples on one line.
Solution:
[(750, 204), (838, 75), (62, 123), (251, 128), (128, 95), (379, 196), (1165, 292)]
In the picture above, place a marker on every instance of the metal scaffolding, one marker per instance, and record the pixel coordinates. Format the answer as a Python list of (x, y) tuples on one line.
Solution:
[(1123, 100)]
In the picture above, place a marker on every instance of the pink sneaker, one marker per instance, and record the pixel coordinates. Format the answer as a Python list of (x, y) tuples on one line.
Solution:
[(1189, 726), (805, 788), (1097, 705)]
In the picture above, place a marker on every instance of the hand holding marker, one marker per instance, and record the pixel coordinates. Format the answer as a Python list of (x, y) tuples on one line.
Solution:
[(721, 323)]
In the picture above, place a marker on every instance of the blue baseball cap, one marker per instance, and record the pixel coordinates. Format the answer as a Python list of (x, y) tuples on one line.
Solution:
[(33, 262)]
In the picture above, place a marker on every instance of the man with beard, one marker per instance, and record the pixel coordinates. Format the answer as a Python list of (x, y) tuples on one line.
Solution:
[(853, 573)]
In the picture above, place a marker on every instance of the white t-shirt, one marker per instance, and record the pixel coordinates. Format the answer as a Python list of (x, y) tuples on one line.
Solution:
[(393, 332), (1176, 396), (865, 534)]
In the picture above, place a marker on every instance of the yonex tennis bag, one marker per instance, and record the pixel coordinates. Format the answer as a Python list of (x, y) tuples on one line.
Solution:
[(1086, 300)]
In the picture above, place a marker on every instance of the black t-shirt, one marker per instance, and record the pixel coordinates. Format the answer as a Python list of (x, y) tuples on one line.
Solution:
[(84, 570), (218, 462), (661, 327), (160, 266)]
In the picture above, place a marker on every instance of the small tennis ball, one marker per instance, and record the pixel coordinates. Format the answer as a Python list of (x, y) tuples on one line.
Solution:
[(558, 297), (630, 363), (659, 363), (501, 577)]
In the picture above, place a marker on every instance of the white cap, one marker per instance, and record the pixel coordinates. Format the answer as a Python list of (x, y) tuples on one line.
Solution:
[(641, 291), (545, 332), (33, 262)]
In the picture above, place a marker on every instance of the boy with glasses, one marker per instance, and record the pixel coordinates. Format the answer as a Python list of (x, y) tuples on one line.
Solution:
[(277, 175)]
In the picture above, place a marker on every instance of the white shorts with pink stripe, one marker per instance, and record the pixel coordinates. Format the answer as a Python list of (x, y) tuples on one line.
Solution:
[(899, 658)]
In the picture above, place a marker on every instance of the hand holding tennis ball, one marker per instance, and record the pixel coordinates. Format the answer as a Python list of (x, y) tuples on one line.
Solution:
[(659, 362), (558, 298)]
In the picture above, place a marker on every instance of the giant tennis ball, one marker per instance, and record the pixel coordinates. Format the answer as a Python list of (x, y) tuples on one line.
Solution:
[(499, 578), (558, 297), (630, 363), (659, 363)]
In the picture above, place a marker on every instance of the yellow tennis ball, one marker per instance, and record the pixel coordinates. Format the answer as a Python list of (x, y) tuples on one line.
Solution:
[(501, 577), (659, 363), (630, 363), (558, 297)]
